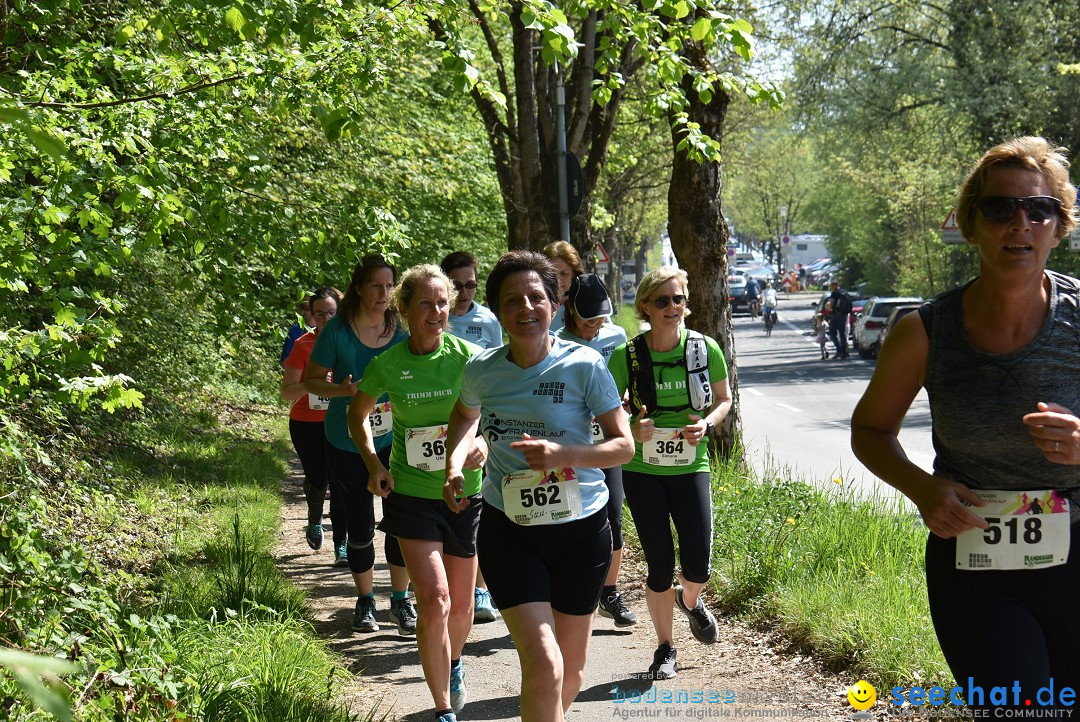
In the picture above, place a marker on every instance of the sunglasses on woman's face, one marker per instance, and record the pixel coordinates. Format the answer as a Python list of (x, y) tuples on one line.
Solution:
[(1000, 209), (470, 286), (662, 301)]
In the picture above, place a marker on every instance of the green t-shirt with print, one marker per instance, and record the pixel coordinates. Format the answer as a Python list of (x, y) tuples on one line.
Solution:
[(423, 390), (671, 391)]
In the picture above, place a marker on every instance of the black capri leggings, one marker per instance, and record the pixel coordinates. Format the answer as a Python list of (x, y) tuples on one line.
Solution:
[(613, 479), (310, 443), (655, 502), (1001, 627), (349, 475)]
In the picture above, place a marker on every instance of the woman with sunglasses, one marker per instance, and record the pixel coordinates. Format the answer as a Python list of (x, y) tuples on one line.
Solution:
[(998, 358), (423, 377), (667, 482), (306, 416), (544, 539), (468, 319), (567, 262), (472, 322), (587, 311), (364, 327)]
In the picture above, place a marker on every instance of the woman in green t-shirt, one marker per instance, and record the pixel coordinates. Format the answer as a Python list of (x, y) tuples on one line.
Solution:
[(667, 481), (423, 378)]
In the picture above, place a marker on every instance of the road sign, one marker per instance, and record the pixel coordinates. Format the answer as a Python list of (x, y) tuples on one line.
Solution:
[(602, 268), (1074, 239), (950, 232), (601, 254), (786, 240)]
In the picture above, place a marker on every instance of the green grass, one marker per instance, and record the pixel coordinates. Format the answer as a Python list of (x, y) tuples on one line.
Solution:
[(151, 569), (624, 316), (842, 576)]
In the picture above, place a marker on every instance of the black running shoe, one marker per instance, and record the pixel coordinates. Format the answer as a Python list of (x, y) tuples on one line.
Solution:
[(702, 622), (614, 607), (663, 662)]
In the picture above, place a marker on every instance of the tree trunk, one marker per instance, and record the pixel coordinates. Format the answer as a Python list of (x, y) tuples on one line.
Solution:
[(699, 237)]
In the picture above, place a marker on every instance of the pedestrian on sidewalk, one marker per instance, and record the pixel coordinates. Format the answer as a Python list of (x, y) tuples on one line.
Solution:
[(364, 327), (677, 386), (422, 377), (544, 539)]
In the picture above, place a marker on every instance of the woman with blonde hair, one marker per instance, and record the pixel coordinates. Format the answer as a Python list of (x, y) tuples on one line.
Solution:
[(423, 378), (677, 386), (997, 357)]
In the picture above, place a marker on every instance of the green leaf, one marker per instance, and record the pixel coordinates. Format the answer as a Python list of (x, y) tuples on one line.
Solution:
[(47, 144), (234, 18), (123, 35), (701, 28), (12, 115)]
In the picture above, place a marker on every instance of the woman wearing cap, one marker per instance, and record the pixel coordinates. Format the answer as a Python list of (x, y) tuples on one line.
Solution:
[(364, 327), (997, 358), (678, 389), (422, 377), (567, 262), (544, 539), (587, 311), (306, 416)]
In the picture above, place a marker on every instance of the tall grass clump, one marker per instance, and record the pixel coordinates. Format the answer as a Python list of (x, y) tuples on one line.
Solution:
[(841, 575), (242, 670)]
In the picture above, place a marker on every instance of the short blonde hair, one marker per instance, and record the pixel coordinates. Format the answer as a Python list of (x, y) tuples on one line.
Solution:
[(566, 253), (1027, 153), (406, 289), (653, 280)]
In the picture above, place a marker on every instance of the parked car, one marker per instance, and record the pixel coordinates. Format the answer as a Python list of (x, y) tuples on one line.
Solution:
[(897, 313), (873, 318), (737, 292)]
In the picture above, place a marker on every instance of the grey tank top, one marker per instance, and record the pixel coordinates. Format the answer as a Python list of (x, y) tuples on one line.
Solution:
[(978, 399)]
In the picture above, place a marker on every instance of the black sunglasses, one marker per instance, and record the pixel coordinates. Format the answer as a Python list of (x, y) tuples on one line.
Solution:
[(662, 301), (1000, 209), (471, 286)]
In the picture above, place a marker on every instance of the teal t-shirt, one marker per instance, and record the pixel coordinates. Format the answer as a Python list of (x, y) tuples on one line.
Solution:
[(423, 391), (670, 391), (555, 399), (477, 325), (338, 348)]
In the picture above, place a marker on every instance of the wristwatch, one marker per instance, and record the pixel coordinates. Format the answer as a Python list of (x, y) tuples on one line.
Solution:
[(708, 427)]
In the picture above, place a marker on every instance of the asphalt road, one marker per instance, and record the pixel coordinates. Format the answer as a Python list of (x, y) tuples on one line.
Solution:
[(796, 408)]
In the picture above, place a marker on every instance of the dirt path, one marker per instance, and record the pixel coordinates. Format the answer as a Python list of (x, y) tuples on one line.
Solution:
[(744, 667)]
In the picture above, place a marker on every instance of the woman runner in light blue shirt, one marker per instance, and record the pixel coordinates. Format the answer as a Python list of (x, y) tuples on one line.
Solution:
[(544, 540)]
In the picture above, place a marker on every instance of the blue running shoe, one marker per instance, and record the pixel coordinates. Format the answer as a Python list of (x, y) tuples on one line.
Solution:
[(314, 536), (458, 693), (483, 609)]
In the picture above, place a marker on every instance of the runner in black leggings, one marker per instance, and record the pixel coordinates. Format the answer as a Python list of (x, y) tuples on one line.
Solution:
[(364, 327), (306, 429), (668, 479)]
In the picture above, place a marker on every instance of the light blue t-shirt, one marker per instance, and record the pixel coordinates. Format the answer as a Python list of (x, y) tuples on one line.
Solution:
[(606, 340), (338, 348), (555, 399), (557, 321), (478, 325)]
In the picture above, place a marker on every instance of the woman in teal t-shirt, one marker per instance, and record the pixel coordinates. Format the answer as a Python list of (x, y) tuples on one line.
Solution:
[(423, 378), (667, 482), (364, 327)]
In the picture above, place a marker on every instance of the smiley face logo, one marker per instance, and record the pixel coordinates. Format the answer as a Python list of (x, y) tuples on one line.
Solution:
[(862, 695)]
